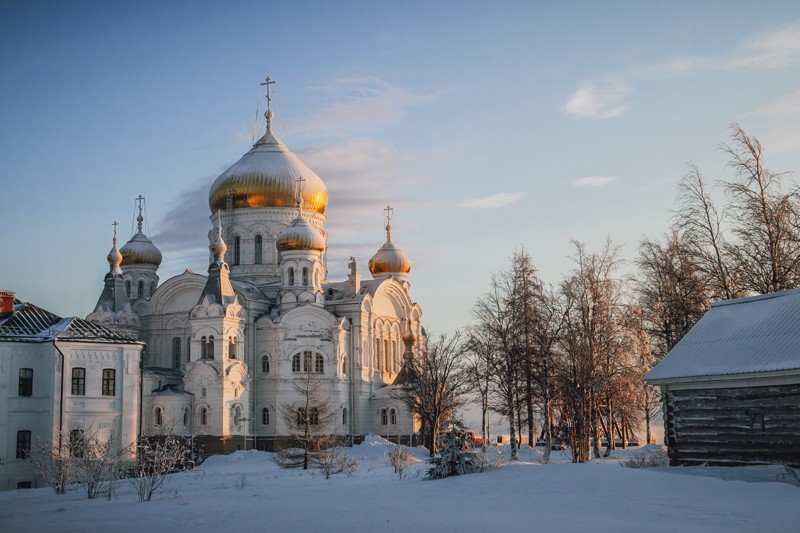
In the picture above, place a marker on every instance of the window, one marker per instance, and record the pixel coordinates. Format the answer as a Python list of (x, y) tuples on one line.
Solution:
[(237, 249), (296, 363), (265, 364), (185, 416), (393, 417), (204, 415), (305, 276), (141, 289), (387, 365), (237, 415), (377, 354), (384, 417), (756, 419), (159, 417), (76, 443), (291, 276), (26, 382), (265, 416), (23, 443), (109, 382), (307, 361), (176, 352), (203, 347), (344, 416), (78, 381), (319, 364), (188, 349), (313, 417), (203, 392), (395, 362), (301, 417), (128, 289), (232, 347), (211, 347), (344, 366), (259, 248)]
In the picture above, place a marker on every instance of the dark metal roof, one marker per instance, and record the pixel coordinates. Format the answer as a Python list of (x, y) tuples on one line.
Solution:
[(30, 323), (743, 336)]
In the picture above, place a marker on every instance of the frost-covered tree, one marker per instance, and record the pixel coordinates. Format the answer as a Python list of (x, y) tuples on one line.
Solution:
[(456, 455), (309, 420)]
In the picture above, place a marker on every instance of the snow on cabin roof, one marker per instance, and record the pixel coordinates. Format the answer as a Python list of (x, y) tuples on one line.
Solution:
[(747, 335), (30, 323)]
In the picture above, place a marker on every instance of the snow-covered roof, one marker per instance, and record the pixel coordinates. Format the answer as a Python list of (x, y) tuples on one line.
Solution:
[(30, 323), (743, 336)]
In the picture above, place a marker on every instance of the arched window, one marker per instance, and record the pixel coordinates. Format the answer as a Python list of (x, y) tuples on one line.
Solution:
[(237, 415), (237, 249), (211, 347), (319, 364), (291, 276), (188, 349), (307, 361), (185, 416), (204, 416), (79, 381), (313, 417), (344, 416), (296, 363), (344, 366), (141, 289), (377, 354), (232, 347), (305, 276), (259, 249), (393, 416), (203, 392), (203, 347), (384, 417), (128, 288), (176, 352), (265, 364), (387, 366), (395, 362), (265, 416), (159, 417)]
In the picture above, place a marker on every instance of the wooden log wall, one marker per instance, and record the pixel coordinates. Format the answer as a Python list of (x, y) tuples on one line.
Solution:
[(733, 426)]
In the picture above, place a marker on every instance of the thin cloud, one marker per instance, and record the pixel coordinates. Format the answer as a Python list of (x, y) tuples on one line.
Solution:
[(493, 201), (598, 100), (593, 181), (356, 105), (770, 49), (787, 105)]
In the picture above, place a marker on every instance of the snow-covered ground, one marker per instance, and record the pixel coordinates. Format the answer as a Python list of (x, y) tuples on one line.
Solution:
[(559, 496)]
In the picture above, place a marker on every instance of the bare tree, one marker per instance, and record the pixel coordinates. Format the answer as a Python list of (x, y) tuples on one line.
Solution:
[(437, 383), (156, 457), (765, 218), (308, 420), (479, 364), (54, 462)]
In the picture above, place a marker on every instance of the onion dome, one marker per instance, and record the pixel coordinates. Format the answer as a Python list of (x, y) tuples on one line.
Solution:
[(139, 249), (265, 177), (114, 256), (409, 337), (390, 259), (216, 244), (300, 235)]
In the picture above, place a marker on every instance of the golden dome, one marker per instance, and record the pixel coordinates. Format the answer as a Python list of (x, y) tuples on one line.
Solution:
[(140, 250), (300, 235), (266, 177), (409, 336), (390, 259)]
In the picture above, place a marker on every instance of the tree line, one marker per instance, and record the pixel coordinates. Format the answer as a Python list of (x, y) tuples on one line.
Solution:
[(565, 362)]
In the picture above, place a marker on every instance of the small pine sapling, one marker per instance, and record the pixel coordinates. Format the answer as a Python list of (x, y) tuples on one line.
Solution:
[(456, 455)]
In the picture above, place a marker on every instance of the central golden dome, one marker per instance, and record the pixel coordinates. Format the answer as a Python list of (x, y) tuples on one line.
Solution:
[(266, 176)]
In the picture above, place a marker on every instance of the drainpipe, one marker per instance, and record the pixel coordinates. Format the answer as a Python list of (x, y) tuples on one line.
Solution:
[(352, 386), (61, 395)]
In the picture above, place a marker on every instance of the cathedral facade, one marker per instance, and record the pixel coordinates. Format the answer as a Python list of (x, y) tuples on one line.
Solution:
[(228, 353)]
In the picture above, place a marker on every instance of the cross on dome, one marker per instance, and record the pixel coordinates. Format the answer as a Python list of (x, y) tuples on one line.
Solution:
[(389, 213), (268, 114)]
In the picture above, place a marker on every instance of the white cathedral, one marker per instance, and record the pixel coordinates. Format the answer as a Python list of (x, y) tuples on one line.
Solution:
[(224, 351)]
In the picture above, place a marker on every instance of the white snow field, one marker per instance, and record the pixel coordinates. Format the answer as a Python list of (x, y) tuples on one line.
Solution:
[(524, 496)]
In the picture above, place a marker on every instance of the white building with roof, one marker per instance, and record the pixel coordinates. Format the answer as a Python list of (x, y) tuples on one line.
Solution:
[(225, 350), (60, 379)]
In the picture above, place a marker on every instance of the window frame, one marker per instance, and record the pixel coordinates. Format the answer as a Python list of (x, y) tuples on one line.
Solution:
[(258, 249), (265, 416), (265, 364), (109, 382), (79, 381), (176, 352), (25, 382), (23, 443)]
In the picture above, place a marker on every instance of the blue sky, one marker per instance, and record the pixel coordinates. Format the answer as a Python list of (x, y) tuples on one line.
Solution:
[(486, 126)]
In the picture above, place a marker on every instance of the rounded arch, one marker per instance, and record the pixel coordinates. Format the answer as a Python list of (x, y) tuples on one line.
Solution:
[(178, 294)]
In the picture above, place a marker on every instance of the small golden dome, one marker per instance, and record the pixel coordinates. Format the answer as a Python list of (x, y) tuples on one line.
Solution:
[(300, 235), (140, 250), (390, 259), (265, 177), (409, 337)]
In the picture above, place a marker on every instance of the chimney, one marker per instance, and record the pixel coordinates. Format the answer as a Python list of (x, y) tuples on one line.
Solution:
[(6, 302)]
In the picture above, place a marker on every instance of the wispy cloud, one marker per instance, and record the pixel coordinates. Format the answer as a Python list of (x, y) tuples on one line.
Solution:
[(598, 100), (770, 49), (593, 181), (493, 201), (786, 105), (356, 105)]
